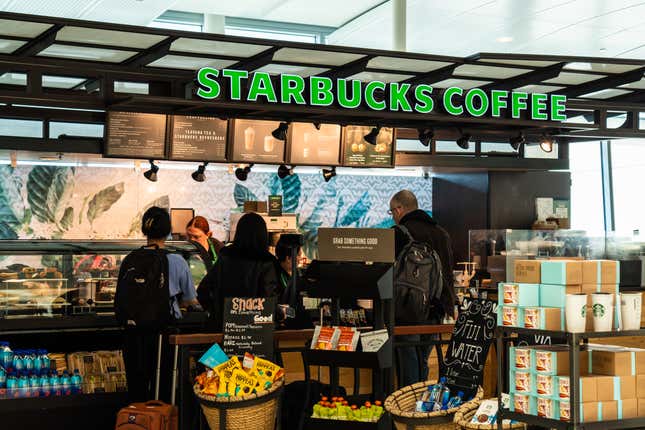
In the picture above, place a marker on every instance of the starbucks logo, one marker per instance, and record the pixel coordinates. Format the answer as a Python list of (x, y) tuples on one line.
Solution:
[(583, 311), (598, 310)]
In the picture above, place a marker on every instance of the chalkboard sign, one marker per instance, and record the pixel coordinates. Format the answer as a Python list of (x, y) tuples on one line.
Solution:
[(135, 135), (539, 339), (248, 326), (198, 138), (471, 339)]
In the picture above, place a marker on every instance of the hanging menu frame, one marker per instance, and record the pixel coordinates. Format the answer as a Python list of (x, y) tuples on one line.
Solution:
[(233, 144), (346, 145), (290, 147), (205, 134), (132, 154)]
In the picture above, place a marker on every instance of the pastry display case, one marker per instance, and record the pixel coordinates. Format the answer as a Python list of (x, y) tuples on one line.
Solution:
[(52, 278)]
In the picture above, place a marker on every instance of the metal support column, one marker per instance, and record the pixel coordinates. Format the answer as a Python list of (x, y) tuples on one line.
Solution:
[(399, 25)]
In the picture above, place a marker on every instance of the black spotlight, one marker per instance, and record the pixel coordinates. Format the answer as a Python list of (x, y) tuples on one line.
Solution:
[(317, 125), (243, 173), (546, 143), (517, 141), (425, 136), (464, 141), (151, 174), (198, 175), (329, 173), (280, 133), (284, 171), (372, 135)]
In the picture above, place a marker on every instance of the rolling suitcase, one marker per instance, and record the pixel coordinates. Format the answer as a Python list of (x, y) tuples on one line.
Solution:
[(152, 415)]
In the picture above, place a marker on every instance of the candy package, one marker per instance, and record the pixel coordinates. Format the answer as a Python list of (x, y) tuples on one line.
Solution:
[(325, 338)]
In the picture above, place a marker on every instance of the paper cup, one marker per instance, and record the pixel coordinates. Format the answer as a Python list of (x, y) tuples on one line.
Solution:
[(602, 306), (630, 310), (575, 312)]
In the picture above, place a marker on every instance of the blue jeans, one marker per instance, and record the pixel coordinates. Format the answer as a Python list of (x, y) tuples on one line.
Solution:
[(410, 358)]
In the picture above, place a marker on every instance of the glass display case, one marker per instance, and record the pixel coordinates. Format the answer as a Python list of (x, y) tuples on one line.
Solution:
[(49, 278)]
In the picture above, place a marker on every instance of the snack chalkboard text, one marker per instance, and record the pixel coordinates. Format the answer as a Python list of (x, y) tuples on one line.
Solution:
[(248, 326)]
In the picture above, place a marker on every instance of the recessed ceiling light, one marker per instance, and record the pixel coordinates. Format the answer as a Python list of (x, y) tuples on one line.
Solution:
[(504, 39)]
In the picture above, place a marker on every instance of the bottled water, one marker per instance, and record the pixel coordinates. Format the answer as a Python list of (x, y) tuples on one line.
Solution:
[(46, 361), (435, 395), (38, 362), (54, 383), (12, 385), (28, 360), (6, 356), (34, 385), (77, 382), (45, 386), (456, 401), (65, 384), (444, 397), (17, 361), (23, 385)]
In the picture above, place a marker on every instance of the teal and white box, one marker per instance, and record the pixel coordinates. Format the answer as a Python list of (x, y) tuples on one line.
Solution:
[(555, 296), (550, 360), (520, 358), (546, 386), (547, 407), (544, 318), (561, 272), (523, 403), (510, 316), (514, 294), (522, 382)]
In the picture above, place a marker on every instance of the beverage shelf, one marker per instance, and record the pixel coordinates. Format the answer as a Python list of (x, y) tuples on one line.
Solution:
[(381, 359)]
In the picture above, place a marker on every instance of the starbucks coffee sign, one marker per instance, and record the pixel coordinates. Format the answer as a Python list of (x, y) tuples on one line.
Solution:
[(321, 91)]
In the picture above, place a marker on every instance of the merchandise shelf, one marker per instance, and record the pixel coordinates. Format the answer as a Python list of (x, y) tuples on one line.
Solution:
[(321, 424), (117, 399), (381, 359)]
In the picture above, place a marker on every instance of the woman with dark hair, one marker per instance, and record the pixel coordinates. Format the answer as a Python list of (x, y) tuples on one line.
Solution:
[(199, 233), (245, 268)]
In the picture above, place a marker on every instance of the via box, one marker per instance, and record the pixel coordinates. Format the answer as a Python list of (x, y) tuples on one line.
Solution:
[(562, 272), (520, 358), (616, 387), (510, 316), (542, 318), (515, 294), (523, 403), (601, 272), (555, 296), (588, 388), (547, 407), (522, 382)]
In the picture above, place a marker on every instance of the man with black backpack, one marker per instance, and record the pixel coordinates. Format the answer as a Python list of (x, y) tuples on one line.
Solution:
[(152, 286), (423, 281)]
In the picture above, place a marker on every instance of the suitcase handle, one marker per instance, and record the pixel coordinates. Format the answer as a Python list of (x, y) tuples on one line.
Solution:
[(154, 403)]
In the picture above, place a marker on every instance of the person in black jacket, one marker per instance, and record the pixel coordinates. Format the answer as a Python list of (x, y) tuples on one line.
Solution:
[(244, 269), (405, 211)]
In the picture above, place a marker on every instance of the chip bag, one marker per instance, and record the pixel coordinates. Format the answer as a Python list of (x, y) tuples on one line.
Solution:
[(266, 369), (225, 383), (231, 365), (241, 383)]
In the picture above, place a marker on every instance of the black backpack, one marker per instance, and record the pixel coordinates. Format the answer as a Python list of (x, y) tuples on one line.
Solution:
[(418, 281), (142, 298)]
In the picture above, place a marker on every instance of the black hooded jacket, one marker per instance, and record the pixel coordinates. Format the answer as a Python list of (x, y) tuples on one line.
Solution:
[(425, 229), (237, 274)]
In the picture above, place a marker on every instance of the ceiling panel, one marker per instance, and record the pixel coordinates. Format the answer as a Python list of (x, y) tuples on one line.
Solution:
[(8, 46), (383, 77), (477, 71), (538, 88), (640, 85), (189, 63), (61, 81), (573, 78), (216, 48), (108, 37), (21, 28), (461, 83), (405, 64), (602, 67), (527, 63), (605, 94), (13, 79), (308, 56), (89, 54), (277, 69)]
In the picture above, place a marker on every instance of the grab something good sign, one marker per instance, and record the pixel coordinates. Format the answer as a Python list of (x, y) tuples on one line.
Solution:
[(321, 91)]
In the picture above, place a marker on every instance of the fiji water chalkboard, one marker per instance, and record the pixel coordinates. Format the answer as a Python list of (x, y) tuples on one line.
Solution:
[(468, 348), (248, 326)]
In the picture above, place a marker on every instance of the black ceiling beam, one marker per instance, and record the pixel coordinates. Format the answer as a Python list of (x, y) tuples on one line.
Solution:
[(348, 69), (150, 55), (41, 42), (604, 83), (533, 77), (637, 96), (433, 76), (256, 61)]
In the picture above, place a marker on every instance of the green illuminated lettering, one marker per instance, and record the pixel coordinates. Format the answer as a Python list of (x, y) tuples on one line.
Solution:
[(398, 97), (498, 102), (470, 102), (343, 101), (424, 104), (447, 101), (292, 87), (209, 87), (369, 95), (558, 108), (261, 86), (518, 103), (235, 77), (538, 106), (320, 91)]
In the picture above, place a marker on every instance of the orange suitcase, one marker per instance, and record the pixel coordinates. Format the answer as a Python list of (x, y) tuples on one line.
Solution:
[(152, 415)]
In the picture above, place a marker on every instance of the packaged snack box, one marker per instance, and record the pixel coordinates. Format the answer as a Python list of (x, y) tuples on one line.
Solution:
[(523, 403), (522, 382), (547, 408), (520, 358), (551, 361), (564, 409), (545, 385), (511, 316), (519, 294)]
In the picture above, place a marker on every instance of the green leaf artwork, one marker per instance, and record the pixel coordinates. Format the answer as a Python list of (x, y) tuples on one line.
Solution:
[(67, 219), (357, 211), (103, 200), (161, 202), (12, 206), (47, 190), (291, 191), (242, 194), (6, 232)]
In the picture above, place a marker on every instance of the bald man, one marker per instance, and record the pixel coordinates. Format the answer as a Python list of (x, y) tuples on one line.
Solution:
[(405, 211)]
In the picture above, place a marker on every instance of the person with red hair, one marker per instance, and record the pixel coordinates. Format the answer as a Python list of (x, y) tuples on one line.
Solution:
[(199, 233)]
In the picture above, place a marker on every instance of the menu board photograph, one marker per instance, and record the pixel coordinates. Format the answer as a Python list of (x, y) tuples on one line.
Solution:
[(357, 152), (135, 135), (198, 138), (309, 146), (253, 142)]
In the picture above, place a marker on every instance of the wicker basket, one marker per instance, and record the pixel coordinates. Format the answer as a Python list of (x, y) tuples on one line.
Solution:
[(401, 405), (256, 412), (465, 414)]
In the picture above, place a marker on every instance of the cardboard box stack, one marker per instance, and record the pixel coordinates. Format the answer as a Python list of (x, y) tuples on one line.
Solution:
[(540, 383), (537, 298)]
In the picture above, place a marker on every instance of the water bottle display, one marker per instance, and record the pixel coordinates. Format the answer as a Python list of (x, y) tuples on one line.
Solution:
[(456, 401), (438, 397), (442, 402), (77, 382)]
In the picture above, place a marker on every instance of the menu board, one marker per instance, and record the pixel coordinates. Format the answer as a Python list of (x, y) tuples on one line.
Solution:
[(309, 146), (357, 152), (248, 326), (198, 138), (253, 142), (135, 135), (468, 348)]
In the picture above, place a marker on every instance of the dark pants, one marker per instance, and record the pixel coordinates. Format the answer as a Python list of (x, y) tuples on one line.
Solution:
[(140, 358), (412, 360)]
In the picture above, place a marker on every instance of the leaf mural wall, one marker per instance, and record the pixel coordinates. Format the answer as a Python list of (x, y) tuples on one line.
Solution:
[(78, 203)]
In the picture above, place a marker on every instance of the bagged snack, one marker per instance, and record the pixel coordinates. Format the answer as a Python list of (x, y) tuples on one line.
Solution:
[(213, 357), (241, 383), (232, 364), (348, 339), (325, 338), (266, 369), (225, 384)]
